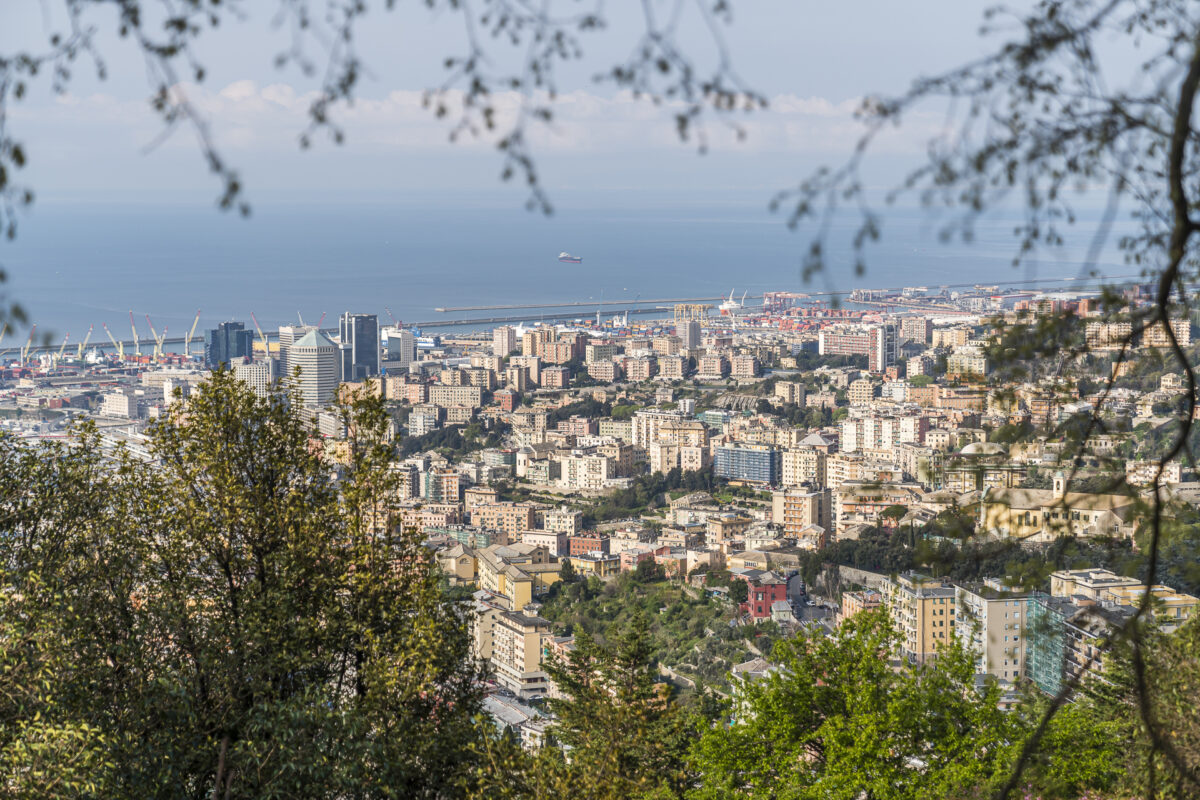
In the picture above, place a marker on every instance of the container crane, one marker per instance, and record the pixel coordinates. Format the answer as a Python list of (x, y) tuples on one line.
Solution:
[(28, 344), (62, 348), (187, 340), (322, 319), (392, 316), (118, 346), (262, 336), (158, 340), (83, 345), (137, 345)]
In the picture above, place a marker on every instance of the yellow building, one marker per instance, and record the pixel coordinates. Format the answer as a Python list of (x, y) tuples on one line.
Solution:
[(1041, 515), (601, 565), (922, 610), (518, 641)]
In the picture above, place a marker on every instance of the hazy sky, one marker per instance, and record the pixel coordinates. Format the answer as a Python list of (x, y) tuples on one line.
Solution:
[(813, 59)]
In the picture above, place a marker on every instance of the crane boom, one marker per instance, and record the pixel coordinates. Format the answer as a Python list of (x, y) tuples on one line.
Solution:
[(62, 348), (262, 336), (187, 340), (137, 345), (154, 336), (28, 344), (322, 319), (83, 345), (118, 346), (395, 321)]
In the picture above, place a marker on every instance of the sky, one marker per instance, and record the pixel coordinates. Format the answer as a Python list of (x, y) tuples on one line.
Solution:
[(813, 59)]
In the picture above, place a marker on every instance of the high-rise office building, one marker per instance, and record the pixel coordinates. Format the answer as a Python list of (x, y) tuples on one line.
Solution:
[(359, 338), (227, 344), (689, 334), (400, 347), (287, 335), (258, 375), (316, 356)]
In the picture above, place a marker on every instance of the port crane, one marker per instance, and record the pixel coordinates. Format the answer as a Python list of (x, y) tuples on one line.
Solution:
[(118, 346), (322, 319), (83, 345), (392, 316), (158, 340), (62, 348), (262, 336), (28, 345), (187, 340), (137, 345)]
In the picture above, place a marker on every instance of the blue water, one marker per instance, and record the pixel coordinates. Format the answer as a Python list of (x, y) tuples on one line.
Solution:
[(74, 266)]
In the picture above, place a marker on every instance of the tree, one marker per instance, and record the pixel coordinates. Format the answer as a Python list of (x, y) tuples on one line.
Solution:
[(837, 721), (226, 620), (626, 738), (567, 573), (739, 591)]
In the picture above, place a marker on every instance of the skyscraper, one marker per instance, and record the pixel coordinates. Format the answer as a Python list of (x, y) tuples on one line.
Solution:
[(227, 344), (689, 334), (359, 338), (400, 347), (317, 358), (287, 335)]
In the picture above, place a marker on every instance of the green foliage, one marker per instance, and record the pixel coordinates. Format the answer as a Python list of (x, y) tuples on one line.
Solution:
[(225, 619), (455, 440), (624, 411), (626, 738), (689, 631), (645, 493), (942, 549), (837, 721)]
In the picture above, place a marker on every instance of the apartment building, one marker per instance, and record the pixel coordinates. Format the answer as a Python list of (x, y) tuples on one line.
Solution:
[(861, 392), (799, 509), (916, 329), (756, 463), (923, 612), (512, 518), (642, 368), (672, 368), (593, 353), (504, 340), (789, 392), (518, 640), (712, 367), (744, 367), (605, 371), (878, 342), (556, 377), (803, 465), (645, 425), (471, 396), (991, 621), (563, 520), (863, 501), (586, 471)]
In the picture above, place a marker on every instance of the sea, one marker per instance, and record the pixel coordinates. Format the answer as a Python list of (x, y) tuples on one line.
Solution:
[(76, 265)]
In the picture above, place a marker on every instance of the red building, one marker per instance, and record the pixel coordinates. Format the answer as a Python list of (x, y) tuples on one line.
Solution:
[(506, 398), (588, 542), (765, 589)]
